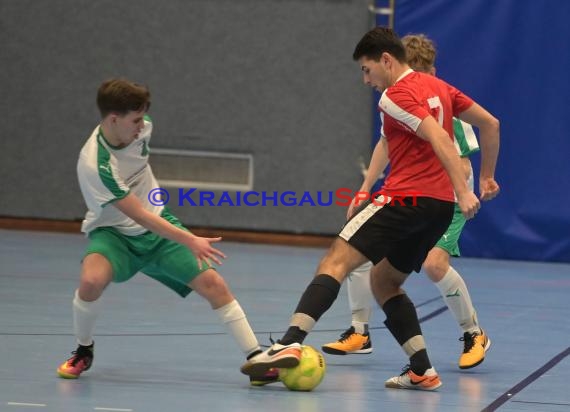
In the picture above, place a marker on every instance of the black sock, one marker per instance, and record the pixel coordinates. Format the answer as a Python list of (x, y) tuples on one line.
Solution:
[(419, 362), (293, 334), (402, 321), (319, 296), (316, 300)]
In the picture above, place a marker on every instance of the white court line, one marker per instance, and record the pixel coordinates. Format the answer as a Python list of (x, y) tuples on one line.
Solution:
[(112, 409), (39, 405)]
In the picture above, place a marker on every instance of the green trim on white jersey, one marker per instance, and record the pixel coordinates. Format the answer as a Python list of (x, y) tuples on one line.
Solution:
[(464, 138), (105, 170), (108, 174)]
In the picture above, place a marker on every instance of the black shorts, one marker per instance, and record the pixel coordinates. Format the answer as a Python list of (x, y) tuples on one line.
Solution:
[(401, 230)]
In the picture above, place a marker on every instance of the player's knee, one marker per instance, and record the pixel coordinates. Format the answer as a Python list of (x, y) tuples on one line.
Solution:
[(384, 289), (385, 283), (336, 266), (212, 286), (96, 274), (91, 288), (435, 269)]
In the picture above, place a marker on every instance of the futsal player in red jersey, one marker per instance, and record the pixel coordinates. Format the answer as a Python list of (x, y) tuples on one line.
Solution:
[(396, 230)]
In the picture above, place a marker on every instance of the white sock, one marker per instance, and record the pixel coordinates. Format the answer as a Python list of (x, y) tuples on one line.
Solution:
[(233, 316), (84, 317), (360, 327), (456, 296), (360, 297)]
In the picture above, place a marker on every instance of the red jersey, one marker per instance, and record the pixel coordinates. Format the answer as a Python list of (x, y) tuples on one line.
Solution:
[(415, 169)]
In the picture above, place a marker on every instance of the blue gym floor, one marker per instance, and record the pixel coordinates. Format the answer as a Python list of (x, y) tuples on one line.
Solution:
[(156, 352)]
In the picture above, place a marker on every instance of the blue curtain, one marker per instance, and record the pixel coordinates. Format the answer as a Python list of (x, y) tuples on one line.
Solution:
[(512, 57)]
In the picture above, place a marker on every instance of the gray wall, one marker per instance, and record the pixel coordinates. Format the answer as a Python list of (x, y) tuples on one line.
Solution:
[(267, 77)]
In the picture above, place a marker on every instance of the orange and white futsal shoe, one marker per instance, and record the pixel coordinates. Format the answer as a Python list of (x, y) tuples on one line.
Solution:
[(429, 381), (277, 356)]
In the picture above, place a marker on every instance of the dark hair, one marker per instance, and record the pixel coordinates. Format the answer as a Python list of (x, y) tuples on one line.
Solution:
[(377, 41), (122, 96)]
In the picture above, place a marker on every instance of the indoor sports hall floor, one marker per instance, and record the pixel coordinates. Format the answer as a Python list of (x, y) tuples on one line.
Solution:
[(156, 352)]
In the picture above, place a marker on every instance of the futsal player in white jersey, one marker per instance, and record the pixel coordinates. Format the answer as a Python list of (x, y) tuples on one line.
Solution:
[(128, 234), (421, 53)]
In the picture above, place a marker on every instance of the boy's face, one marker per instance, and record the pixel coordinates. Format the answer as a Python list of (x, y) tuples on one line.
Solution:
[(375, 73), (128, 126)]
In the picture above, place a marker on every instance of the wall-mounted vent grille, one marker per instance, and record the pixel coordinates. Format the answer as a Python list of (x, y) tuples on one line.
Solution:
[(202, 169)]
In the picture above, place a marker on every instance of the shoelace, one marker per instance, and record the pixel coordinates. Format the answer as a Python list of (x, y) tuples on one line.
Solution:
[(405, 370), (468, 340), (270, 340), (346, 335), (79, 355)]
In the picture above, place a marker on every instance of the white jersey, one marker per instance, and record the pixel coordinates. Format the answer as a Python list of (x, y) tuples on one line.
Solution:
[(107, 174), (464, 138), (466, 144)]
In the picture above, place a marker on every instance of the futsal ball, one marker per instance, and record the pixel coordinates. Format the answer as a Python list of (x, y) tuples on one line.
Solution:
[(307, 375)]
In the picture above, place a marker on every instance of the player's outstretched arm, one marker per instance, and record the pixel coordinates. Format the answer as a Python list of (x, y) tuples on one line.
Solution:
[(202, 247)]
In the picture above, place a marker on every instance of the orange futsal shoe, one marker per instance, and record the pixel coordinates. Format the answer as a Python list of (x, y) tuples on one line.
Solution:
[(474, 347), (350, 342), (429, 381)]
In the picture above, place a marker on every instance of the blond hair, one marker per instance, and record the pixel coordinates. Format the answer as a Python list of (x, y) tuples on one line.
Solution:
[(420, 52)]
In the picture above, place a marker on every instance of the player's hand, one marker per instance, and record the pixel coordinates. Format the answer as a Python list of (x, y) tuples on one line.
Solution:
[(469, 204), (359, 198), (488, 188), (351, 208), (204, 251)]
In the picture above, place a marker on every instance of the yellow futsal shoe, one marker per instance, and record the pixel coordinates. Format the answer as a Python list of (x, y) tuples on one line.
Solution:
[(475, 346), (350, 342)]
